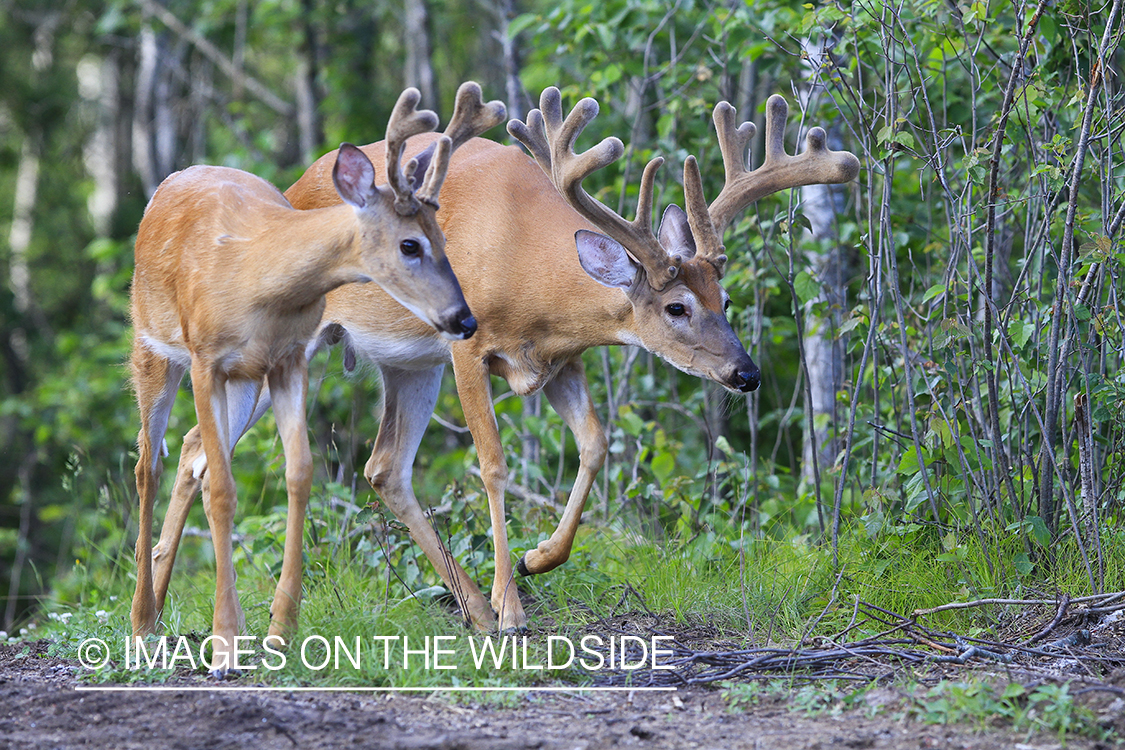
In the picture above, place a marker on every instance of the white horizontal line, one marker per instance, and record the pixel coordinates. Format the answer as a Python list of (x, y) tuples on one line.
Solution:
[(359, 689)]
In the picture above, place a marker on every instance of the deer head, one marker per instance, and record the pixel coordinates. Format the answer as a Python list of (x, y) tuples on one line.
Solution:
[(672, 277), (408, 207)]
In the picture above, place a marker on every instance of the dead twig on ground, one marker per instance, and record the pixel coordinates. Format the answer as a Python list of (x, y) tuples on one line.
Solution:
[(899, 643)]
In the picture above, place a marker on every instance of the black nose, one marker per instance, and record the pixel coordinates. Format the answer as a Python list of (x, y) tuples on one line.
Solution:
[(467, 326), (747, 380)]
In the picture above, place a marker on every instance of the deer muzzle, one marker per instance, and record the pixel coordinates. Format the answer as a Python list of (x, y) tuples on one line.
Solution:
[(459, 325), (746, 377)]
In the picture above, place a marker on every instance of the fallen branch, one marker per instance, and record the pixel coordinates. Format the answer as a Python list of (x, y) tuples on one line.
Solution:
[(1099, 598), (1063, 606)]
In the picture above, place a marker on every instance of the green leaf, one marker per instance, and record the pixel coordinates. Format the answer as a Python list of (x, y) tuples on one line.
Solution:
[(949, 541), (873, 523), (1014, 690), (1020, 332), (1022, 563), (936, 290), (909, 465), (1039, 531), (806, 286), (724, 445), (904, 139), (520, 22), (631, 423), (850, 324), (663, 464)]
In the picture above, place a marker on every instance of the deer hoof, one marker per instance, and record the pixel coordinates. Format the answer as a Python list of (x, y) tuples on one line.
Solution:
[(223, 673), (515, 630)]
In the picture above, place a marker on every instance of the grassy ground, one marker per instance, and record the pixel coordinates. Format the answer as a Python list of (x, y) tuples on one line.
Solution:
[(372, 615)]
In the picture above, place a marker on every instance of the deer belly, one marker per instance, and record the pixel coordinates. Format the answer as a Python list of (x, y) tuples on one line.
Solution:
[(402, 351)]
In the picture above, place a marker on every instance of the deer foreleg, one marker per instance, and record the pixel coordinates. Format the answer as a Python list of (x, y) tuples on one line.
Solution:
[(408, 401), (288, 387), (219, 502), (475, 391), (569, 394)]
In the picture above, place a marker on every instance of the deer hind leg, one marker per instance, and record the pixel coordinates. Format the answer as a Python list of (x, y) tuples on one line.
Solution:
[(288, 387), (155, 381), (243, 414), (475, 391), (409, 397), (569, 394)]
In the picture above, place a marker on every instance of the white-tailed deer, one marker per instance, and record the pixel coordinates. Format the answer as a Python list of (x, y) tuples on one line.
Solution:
[(230, 281), (511, 230)]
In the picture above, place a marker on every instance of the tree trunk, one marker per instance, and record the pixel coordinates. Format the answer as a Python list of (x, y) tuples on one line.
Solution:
[(507, 69), (97, 82), (824, 354), (418, 70), (310, 128), (154, 126)]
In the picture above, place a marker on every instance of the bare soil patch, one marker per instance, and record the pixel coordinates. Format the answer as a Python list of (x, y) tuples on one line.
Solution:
[(43, 704)]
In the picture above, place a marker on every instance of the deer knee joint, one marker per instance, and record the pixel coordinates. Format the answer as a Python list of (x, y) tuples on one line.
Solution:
[(593, 453), (298, 468), (494, 476)]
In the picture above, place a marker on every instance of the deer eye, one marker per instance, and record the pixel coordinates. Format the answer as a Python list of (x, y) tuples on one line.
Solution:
[(726, 305), (676, 309), (410, 248)]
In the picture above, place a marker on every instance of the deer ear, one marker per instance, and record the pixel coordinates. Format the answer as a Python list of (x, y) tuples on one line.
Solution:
[(605, 259), (354, 177), (675, 233)]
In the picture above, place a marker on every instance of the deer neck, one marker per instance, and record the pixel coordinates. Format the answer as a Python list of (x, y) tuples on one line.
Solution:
[(312, 254)]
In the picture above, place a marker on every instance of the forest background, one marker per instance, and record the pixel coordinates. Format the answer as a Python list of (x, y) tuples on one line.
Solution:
[(940, 340)]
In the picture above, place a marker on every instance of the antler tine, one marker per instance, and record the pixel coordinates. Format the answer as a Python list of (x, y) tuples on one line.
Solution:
[(435, 173), (551, 139), (734, 140), (471, 116), (406, 120), (708, 242), (779, 171), (533, 135)]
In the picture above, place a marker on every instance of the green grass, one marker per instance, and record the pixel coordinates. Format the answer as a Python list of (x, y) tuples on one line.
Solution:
[(786, 588), (1045, 709)]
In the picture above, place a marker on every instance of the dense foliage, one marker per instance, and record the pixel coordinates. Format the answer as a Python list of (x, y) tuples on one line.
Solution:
[(966, 287)]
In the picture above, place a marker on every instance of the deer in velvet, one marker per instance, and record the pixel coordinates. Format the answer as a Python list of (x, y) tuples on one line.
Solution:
[(230, 282), (512, 231)]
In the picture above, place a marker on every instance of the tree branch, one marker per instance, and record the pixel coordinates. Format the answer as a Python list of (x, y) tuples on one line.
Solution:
[(224, 63)]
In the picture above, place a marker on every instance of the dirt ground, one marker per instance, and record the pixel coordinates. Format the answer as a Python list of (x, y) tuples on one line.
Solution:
[(42, 705)]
